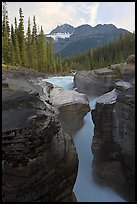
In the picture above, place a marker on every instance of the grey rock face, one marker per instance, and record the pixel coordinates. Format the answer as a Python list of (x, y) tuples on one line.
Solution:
[(95, 82), (131, 59), (72, 107), (113, 144), (65, 28), (39, 160), (100, 81)]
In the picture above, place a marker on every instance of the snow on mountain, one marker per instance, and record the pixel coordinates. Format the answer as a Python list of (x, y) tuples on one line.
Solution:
[(56, 36)]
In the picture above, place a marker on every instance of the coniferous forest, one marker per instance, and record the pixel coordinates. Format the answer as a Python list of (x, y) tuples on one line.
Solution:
[(112, 53), (32, 51)]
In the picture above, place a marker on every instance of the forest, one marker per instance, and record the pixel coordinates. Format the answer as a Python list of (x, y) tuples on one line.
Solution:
[(32, 51), (112, 53)]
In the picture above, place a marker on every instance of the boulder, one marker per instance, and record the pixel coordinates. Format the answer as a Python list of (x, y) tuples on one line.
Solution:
[(131, 59), (72, 107), (113, 144)]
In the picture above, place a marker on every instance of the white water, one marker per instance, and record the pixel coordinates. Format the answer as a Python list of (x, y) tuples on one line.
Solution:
[(85, 188)]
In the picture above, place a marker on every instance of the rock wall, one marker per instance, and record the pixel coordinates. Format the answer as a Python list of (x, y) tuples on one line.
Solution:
[(72, 107), (113, 144), (39, 160), (99, 81)]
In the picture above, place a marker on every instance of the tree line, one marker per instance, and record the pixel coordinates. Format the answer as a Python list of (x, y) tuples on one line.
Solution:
[(30, 50), (105, 55)]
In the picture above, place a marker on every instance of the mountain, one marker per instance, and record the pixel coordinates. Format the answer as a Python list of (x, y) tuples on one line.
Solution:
[(61, 32), (65, 28), (71, 41)]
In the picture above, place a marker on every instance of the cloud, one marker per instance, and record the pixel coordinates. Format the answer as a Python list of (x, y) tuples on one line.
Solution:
[(121, 14), (51, 14)]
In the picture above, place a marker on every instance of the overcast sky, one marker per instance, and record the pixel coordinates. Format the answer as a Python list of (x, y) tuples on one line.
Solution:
[(51, 14)]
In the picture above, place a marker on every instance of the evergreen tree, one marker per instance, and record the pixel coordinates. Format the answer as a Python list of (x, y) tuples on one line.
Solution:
[(34, 31), (15, 44), (5, 33), (10, 53), (34, 44), (29, 41), (21, 38), (3, 60), (42, 55), (16, 28), (48, 58), (51, 57), (58, 62), (17, 50), (4, 18), (12, 33), (54, 67)]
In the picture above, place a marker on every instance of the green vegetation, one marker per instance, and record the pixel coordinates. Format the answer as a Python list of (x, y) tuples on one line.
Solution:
[(112, 53), (30, 50)]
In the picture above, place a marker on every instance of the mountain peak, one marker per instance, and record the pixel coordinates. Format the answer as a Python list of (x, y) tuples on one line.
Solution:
[(64, 28), (105, 27)]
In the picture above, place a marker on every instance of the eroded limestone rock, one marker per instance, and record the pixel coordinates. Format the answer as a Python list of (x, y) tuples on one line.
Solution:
[(72, 107), (113, 144), (39, 160)]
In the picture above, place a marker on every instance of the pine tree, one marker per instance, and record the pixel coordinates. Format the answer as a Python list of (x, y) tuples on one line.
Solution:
[(42, 55), (34, 31), (34, 44), (59, 63), (16, 28), (29, 41), (3, 60), (3, 18), (48, 58), (10, 53), (5, 33), (17, 50), (21, 38), (51, 56), (54, 67)]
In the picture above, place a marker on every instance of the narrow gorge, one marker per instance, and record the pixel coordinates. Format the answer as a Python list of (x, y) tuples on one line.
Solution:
[(61, 145)]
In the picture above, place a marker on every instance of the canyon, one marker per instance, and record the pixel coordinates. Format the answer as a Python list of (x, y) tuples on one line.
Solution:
[(39, 157)]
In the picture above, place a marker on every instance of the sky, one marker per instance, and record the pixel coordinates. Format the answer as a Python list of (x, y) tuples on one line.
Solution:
[(50, 14)]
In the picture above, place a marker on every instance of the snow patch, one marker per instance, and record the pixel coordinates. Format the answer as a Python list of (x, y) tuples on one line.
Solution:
[(55, 36)]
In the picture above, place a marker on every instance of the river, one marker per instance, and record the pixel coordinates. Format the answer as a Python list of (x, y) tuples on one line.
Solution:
[(85, 188)]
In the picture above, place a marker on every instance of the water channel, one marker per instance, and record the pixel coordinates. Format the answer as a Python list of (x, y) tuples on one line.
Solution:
[(85, 188)]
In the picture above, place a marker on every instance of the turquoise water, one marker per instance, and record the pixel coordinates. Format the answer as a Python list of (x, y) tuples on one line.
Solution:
[(62, 81), (85, 188)]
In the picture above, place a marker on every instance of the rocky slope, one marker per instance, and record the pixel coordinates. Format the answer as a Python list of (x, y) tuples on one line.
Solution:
[(113, 144), (100, 81), (65, 28), (83, 37), (39, 160)]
